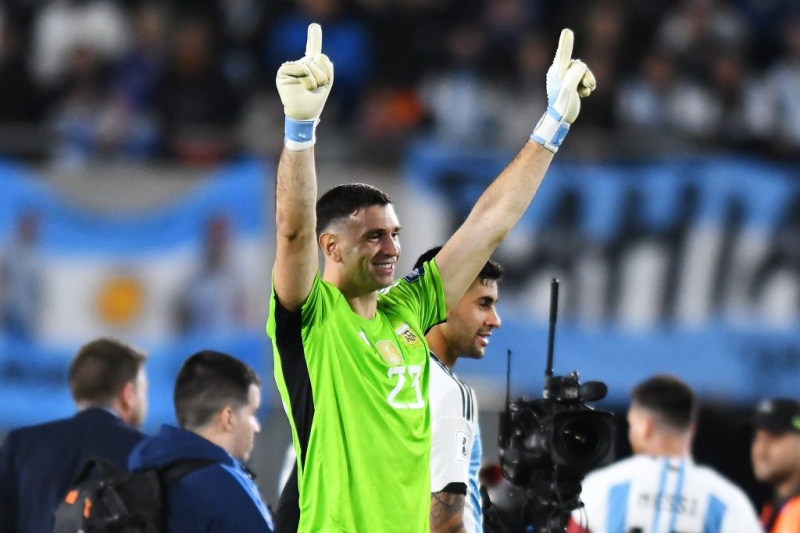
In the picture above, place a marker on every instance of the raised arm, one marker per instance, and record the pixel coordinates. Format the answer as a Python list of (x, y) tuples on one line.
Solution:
[(303, 86), (503, 203)]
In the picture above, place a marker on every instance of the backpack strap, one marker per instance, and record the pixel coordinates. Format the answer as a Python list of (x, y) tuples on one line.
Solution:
[(174, 471), (99, 464)]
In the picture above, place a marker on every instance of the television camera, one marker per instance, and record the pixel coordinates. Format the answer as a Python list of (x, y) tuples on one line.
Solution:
[(548, 445)]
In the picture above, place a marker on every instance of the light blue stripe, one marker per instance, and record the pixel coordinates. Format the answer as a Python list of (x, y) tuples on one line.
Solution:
[(676, 498), (714, 515), (474, 483), (661, 485), (618, 508)]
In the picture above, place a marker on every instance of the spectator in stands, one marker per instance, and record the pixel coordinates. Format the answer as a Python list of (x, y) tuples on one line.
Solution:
[(213, 302), (21, 294), (130, 127), (216, 402), (740, 113), (661, 488), (20, 101), (197, 106), (694, 29), (776, 461), (81, 111), (782, 82), (659, 101), (348, 43), (458, 94), (61, 26), (39, 463)]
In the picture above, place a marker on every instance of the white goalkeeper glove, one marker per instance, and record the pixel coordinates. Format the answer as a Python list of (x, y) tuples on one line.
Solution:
[(304, 86), (568, 80)]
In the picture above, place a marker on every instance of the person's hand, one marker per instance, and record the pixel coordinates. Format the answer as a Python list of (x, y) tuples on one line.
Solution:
[(568, 80), (304, 86)]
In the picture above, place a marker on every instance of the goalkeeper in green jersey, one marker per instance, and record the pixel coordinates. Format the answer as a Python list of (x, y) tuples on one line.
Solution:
[(351, 360)]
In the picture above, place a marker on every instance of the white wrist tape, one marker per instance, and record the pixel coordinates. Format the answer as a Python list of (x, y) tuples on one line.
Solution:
[(300, 135), (550, 131)]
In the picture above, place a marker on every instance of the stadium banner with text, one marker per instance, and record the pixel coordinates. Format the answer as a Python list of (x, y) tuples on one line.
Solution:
[(684, 265)]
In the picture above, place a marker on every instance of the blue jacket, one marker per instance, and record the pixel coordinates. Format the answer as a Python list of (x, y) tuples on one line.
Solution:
[(38, 464), (217, 498)]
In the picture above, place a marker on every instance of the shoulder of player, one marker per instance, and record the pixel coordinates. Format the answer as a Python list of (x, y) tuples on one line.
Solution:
[(721, 485), (617, 471), (449, 396)]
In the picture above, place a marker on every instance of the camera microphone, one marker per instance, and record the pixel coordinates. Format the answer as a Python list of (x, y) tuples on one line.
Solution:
[(591, 391)]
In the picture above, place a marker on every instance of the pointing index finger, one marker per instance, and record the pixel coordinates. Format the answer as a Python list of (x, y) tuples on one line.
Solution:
[(564, 52), (314, 42)]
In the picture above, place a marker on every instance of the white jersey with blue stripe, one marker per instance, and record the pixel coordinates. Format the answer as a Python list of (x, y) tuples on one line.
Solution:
[(644, 494), (474, 502), (454, 423)]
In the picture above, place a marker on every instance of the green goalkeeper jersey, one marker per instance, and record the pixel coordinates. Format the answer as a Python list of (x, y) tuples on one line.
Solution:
[(356, 394)]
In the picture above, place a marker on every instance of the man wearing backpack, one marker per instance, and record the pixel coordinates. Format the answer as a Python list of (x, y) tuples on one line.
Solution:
[(216, 403), (38, 464)]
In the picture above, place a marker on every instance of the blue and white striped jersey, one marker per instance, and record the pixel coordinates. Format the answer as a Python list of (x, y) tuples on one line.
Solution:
[(474, 502), (454, 423), (644, 494)]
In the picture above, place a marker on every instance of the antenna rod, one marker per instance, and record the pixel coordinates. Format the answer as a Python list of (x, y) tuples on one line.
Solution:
[(551, 336), (508, 378)]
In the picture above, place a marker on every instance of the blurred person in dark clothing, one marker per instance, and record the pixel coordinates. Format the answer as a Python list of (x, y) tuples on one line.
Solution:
[(776, 461), (39, 463), (20, 99), (197, 106), (348, 41)]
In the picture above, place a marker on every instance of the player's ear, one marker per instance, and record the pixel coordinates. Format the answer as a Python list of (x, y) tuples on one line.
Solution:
[(329, 243), (649, 427)]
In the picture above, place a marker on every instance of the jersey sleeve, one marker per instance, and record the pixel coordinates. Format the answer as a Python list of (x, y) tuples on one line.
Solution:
[(452, 437), (450, 453), (594, 498), (421, 293), (741, 515)]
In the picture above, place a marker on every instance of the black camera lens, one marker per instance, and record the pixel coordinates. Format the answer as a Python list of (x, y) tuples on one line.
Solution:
[(583, 439), (580, 438)]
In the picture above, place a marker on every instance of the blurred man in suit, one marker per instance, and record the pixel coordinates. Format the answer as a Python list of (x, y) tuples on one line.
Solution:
[(39, 463)]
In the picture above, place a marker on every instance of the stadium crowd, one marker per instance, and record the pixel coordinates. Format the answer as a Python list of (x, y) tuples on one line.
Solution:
[(193, 81)]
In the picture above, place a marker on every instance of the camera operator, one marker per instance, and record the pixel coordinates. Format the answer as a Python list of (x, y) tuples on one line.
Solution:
[(661, 488)]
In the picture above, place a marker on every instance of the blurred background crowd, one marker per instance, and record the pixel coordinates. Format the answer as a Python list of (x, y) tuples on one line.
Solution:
[(193, 80)]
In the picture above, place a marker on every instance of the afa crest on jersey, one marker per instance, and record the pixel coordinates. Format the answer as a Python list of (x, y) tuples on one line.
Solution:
[(389, 352), (409, 337)]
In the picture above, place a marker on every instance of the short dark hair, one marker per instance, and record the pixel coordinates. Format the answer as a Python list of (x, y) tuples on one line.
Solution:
[(101, 369), (669, 397), (491, 270), (344, 200), (209, 381)]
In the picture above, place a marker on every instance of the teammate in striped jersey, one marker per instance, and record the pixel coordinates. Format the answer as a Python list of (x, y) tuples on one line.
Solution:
[(661, 489), (456, 449)]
